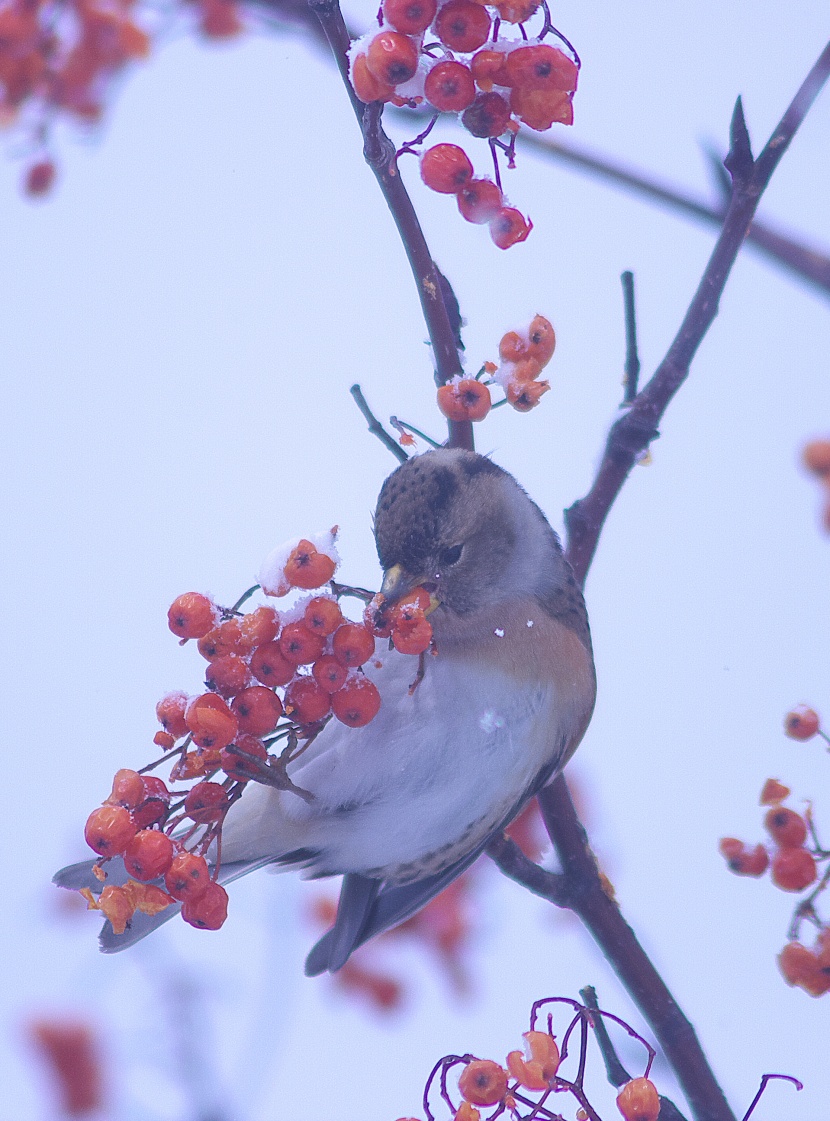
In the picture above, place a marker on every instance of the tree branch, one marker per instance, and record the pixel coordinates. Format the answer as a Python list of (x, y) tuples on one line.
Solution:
[(380, 155), (375, 427), (633, 433)]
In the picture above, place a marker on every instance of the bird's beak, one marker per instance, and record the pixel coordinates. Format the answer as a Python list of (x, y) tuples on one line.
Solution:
[(397, 584)]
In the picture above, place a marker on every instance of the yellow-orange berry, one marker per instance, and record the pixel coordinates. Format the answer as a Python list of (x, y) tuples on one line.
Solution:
[(638, 1100), (467, 399), (483, 1082)]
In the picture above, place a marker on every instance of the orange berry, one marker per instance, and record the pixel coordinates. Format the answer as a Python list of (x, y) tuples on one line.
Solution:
[(411, 630), (508, 228), (269, 665), (188, 877), (329, 674), (541, 108), (787, 828), (541, 340), (517, 11), (210, 721), (514, 347), (39, 178), (816, 458), (258, 627), (793, 869), (638, 1100), (154, 804), (357, 702), (308, 568), (206, 802), (525, 395), (299, 645), (353, 644), (539, 1069), (170, 713), (449, 86), (191, 615), (773, 792), (483, 1082), (526, 370), (541, 67), (366, 86), (322, 615), (305, 701), (228, 675), (257, 710), (479, 201), (446, 168), (109, 830), (488, 69), (392, 58), (466, 1112), (210, 910), (164, 740), (805, 969), (741, 860), (148, 855), (193, 764), (463, 26), (376, 618), (487, 116), (802, 723), (409, 16), (127, 789), (226, 638), (236, 766), (467, 399)]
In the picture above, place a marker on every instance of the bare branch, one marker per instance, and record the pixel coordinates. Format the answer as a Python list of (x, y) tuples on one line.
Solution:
[(376, 428)]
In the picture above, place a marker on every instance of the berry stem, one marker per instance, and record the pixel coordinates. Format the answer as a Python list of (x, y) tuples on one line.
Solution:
[(375, 427), (242, 599), (407, 427), (379, 152)]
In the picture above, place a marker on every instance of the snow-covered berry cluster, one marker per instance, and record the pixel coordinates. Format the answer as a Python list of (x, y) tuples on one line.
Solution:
[(453, 57), (274, 679)]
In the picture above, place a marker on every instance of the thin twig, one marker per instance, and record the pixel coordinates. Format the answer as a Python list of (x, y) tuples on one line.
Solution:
[(379, 152), (632, 358), (765, 1078), (376, 428), (617, 1074)]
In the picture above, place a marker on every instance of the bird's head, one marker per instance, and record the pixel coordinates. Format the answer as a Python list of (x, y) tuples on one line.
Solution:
[(459, 525)]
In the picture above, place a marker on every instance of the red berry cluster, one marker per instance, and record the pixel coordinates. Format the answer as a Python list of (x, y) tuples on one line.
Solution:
[(58, 58), (524, 354), (493, 83), (273, 681), (816, 458)]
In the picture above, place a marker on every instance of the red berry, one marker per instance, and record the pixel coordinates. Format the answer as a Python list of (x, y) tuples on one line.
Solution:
[(188, 877), (487, 116), (224, 639), (541, 67), (191, 615), (228, 675), (210, 910), (376, 618), (206, 802), (109, 830), (210, 721), (170, 714), (446, 168), (409, 16), (489, 69), (322, 615), (479, 201), (306, 702), (638, 1100), (40, 177), (804, 968), (308, 568), (269, 666), (541, 340), (236, 766), (127, 789), (467, 399), (516, 11), (148, 855), (463, 26), (525, 395), (773, 792), (802, 723), (743, 861), (258, 627), (353, 644), (329, 673), (816, 458), (541, 108), (299, 645), (787, 828), (365, 84), (414, 641), (483, 1082), (793, 869), (257, 710), (392, 58), (357, 702), (449, 86), (154, 803), (164, 740), (509, 227)]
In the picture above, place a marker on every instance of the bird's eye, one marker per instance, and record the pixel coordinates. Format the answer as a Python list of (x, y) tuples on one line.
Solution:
[(450, 555)]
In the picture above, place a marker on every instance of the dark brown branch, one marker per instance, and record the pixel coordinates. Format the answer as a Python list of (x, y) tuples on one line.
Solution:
[(376, 428), (805, 262), (633, 433), (379, 152), (632, 358)]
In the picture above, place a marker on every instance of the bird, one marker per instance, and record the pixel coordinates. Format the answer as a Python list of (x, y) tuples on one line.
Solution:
[(403, 805)]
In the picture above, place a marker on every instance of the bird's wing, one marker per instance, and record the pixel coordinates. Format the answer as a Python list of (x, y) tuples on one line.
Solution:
[(367, 908)]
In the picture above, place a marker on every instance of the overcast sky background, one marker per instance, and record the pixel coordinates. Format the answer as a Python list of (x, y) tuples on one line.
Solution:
[(181, 323)]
